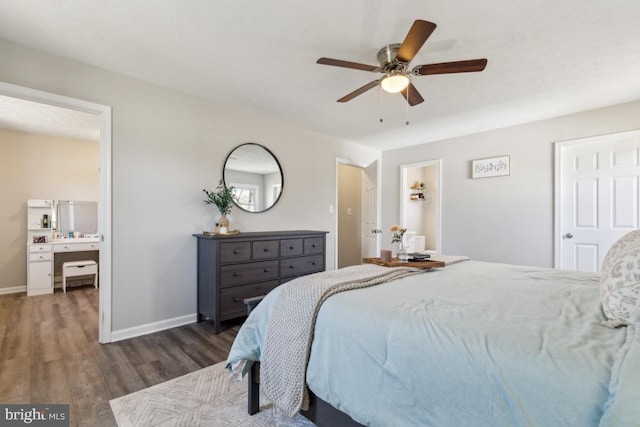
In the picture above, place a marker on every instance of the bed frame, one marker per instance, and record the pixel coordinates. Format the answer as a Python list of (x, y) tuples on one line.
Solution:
[(321, 413)]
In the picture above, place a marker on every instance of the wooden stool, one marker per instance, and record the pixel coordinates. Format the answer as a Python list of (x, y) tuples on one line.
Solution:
[(79, 268)]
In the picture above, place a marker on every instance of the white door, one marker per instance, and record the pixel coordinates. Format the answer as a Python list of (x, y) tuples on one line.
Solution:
[(370, 233), (599, 197)]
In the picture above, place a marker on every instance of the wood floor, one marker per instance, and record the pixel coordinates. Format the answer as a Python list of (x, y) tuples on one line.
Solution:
[(49, 353)]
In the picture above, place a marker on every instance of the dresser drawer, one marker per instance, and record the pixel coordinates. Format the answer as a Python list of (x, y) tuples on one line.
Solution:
[(39, 248), (264, 249), (76, 247), (313, 245), (291, 247), (42, 256), (301, 265), (236, 274), (235, 252), (231, 299)]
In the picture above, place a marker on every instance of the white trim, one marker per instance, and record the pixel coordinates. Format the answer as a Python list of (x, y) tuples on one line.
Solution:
[(557, 202), (104, 214), (13, 290), (404, 196), (557, 187), (150, 328)]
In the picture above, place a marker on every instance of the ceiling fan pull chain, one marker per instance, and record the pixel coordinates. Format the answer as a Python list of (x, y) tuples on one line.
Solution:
[(407, 106), (381, 95)]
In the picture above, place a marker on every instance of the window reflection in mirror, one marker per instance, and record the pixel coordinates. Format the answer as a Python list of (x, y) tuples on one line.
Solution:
[(256, 176)]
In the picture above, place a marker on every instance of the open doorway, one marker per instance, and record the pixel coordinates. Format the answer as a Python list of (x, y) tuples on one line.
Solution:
[(420, 209), (104, 211), (356, 213)]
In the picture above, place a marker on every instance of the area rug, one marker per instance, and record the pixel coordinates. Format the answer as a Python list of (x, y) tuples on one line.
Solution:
[(203, 398)]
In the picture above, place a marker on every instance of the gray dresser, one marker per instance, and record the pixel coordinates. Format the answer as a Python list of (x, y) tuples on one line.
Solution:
[(234, 267)]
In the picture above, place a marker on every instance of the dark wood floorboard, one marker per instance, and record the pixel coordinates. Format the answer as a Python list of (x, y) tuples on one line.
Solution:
[(49, 353)]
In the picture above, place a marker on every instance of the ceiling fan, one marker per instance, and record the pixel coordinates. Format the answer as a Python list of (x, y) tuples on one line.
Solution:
[(394, 62)]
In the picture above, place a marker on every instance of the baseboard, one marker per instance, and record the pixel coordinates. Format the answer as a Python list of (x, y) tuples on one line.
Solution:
[(150, 328), (13, 290)]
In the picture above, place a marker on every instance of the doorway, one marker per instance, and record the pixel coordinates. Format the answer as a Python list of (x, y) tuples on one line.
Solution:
[(104, 212), (420, 207), (597, 197), (357, 213)]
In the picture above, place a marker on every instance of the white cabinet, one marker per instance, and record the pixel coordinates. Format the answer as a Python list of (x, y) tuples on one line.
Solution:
[(41, 222), (39, 270), (37, 225), (39, 257)]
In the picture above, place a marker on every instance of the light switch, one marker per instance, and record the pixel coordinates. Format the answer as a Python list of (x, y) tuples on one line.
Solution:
[(330, 209), (349, 211)]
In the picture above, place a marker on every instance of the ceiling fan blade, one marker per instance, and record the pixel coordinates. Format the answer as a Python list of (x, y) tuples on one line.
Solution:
[(412, 95), (359, 91), (346, 64), (451, 67), (417, 35)]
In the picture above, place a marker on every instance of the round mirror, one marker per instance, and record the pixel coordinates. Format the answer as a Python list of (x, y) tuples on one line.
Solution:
[(255, 175)]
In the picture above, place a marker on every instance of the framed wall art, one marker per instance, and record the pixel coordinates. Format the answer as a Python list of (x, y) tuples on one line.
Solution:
[(494, 166)]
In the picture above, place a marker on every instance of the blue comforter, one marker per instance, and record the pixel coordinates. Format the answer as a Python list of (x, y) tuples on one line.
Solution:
[(472, 344)]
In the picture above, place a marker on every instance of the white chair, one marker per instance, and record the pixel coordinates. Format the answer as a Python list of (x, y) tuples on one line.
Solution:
[(79, 268)]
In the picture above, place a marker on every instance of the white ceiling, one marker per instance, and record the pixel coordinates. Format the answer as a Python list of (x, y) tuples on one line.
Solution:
[(33, 117), (546, 57)]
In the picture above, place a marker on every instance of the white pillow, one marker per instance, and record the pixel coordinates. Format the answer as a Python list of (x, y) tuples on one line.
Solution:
[(620, 281)]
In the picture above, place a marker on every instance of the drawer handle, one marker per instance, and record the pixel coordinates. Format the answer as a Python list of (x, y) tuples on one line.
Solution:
[(291, 266), (265, 250), (313, 263), (236, 274), (236, 299), (266, 270), (66, 247), (235, 252), (291, 248), (41, 257), (313, 246)]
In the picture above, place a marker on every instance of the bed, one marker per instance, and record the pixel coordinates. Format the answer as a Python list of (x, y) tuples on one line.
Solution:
[(473, 343)]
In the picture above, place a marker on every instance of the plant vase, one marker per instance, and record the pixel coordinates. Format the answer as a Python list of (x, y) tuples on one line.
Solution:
[(403, 255), (223, 222)]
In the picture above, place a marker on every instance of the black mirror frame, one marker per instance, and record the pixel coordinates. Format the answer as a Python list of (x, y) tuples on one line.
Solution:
[(224, 167)]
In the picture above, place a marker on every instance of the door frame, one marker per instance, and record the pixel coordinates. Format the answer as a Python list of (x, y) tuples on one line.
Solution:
[(333, 209), (104, 213), (404, 196), (558, 160)]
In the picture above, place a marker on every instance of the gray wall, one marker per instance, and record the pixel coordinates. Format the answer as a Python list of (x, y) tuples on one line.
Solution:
[(166, 147), (502, 219)]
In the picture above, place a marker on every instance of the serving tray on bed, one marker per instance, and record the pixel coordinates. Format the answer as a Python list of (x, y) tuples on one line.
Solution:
[(395, 263)]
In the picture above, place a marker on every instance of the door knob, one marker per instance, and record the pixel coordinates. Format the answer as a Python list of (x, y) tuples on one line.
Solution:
[(568, 236)]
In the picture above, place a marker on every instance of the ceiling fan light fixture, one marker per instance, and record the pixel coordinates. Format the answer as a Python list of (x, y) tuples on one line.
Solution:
[(395, 82)]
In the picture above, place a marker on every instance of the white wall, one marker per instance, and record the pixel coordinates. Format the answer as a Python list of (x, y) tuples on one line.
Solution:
[(36, 166), (502, 219), (167, 146)]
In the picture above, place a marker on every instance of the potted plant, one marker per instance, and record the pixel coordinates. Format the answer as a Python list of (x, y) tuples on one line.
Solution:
[(223, 199)]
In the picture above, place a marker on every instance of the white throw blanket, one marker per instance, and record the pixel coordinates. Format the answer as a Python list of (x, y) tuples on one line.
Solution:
[(290, 329)]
